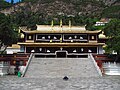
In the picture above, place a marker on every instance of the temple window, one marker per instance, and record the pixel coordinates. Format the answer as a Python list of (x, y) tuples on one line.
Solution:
[(75, 37), (55, 37), (75, 50), (93, 37), (48, 50), (33, 51), (30, 37), (40, 49), (70, 37), (61, 48), (49, 37), (81, 37), (89, 51), (43, 37), (82, 49)]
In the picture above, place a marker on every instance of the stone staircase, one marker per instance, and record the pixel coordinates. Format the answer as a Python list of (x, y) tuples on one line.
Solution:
[(60, 67)]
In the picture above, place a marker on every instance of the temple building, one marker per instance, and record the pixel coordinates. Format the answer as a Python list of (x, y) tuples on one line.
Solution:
[(60, 41)]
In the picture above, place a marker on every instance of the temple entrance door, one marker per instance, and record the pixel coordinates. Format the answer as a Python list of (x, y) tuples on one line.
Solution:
[(61, 54)]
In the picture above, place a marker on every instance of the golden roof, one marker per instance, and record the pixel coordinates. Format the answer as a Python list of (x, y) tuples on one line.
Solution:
[(22, 35), (71, 31), (58, 29), (102, 36), (60, 44), (15, 46)]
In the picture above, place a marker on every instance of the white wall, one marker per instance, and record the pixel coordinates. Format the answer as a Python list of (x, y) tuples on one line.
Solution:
[(100, 50), (12, 50)]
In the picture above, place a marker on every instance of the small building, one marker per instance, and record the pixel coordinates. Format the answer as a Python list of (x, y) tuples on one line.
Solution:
[(60, 40), (13, 49), (102, 22)]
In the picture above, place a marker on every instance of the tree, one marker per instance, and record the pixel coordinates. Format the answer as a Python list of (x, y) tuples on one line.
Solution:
[(112, 31), (4, 4), (7, 34), (12, 1), (90, 22)]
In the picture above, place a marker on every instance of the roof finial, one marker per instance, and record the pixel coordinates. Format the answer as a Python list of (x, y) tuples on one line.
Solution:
[(61, 24), (70, 24), (19, 31), (52, 24)]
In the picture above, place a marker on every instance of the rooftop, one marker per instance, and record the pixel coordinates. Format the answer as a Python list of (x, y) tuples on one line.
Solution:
[(15, 46), (58, 29)]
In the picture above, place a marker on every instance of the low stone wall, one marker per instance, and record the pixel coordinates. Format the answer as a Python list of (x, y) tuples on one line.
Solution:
[(11, 63)]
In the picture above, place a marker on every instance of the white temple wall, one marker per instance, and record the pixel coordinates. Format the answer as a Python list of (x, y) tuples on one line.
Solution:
[(100, 50)]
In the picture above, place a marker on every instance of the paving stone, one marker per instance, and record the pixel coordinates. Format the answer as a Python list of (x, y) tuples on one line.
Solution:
[(80, 83), (47, 74)]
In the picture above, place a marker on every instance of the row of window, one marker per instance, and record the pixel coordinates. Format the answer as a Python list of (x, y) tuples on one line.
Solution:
[(59, 37), (69, 50)]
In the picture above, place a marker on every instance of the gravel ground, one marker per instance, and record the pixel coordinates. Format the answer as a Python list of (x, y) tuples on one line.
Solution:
[(81, 83)]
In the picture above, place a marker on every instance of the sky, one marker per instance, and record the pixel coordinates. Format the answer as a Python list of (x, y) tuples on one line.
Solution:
[(14, 1)]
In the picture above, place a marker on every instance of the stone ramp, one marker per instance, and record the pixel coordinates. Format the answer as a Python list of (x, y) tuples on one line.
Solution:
[(60, 67)]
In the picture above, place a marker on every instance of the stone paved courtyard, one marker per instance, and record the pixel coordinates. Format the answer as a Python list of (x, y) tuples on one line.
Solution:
[(81, 73), (82, 83)]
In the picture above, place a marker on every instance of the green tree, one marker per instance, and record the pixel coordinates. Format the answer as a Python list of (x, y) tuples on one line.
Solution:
[(4, 4), (12, 1), (112, 31), (7, 34), (22, 0), (90, 23)]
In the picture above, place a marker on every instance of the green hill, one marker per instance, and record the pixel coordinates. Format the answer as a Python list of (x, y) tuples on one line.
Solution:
[(81, 12), (112, 12)]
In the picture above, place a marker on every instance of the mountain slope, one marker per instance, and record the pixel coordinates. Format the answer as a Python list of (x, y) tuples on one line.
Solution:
[(31, 12), (56, 7)]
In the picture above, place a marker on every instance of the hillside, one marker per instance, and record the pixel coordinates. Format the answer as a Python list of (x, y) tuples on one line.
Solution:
[(112, 11), (57, 7), (43, 11)]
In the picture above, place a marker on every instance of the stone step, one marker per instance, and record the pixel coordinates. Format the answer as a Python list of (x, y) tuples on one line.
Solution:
[(60, 67)]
